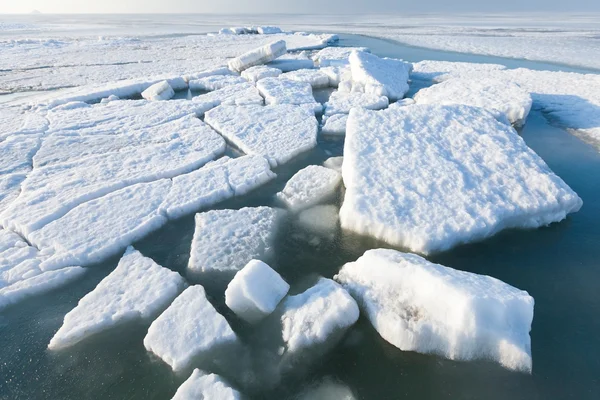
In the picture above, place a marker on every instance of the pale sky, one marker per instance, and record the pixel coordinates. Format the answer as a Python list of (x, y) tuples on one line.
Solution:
[(290, 6)]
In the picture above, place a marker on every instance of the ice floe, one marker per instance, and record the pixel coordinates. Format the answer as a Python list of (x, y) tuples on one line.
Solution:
[(20, 120), (215, 82), (459, 175), (334, 124), (334, 163), (240, 94), (277, 132), (380, 76), (336, 56), (16, 154), (202, 386), (310, 186), (255, 291), (292, 62), (314, 77), (137, 289), (343, 102), (159, 91), (428, 308), (261, 55), (337, 74), (189, 330), (284, 91), (258, 72)]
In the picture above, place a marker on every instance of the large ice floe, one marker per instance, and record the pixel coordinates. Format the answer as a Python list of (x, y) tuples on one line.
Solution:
[(505, 98), (137, 289), (189, 331), (255, 291), (310, 186), (262, 55), (285, 91), (458, 175), (380, 76), (277, 132), (428, 308), (202, 386), (226, 240)]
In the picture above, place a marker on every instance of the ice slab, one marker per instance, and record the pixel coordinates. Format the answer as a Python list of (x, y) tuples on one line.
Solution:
[(334, 125), (261, 55), (16, 154), (255, 291), (37, 284), (276, 132), (284, 91), (343, 102), (137, 289), (336, 56), (189, 329), (334, 163), (314, 77), (503, 97), (159, 91), (459, 175), (310, 186), (268, 30), (215, 82), (202, 386), (380, 76), (337, 74), (291, 64), (240, 94), (256, 73), (317, 315), (429, 308), (226, 240)]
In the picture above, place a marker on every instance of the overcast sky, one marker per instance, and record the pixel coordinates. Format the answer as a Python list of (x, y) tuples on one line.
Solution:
[(290, 6)]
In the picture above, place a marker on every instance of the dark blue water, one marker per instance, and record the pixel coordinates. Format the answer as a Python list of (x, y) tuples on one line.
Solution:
[(559, 265)]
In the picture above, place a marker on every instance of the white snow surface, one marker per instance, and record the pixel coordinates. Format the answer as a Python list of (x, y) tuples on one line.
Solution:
[(337, 74), (203, 386), (334, 124), (458, 175), (226, 240), (291, 64), (159, 91), (239, 94), (255, 291), (258, 72), (336, 56), (276, 132), (261, 55), (506, 98), (215, 82), (313, 316), (381, 76), (314, 77), (343, 102), (285, 91), (16, 154), (310, 186), (137, 288), (188, 329), (429, 308)]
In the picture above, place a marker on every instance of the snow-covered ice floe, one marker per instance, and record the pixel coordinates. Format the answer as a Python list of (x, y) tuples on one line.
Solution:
[(137, 289), (215, 82), (292, 62), (285, 91), (239, 94), (255, 291), (381, 76), (334, 125), (16, 154), (458, 175), (334, 163), (277, 132), (159, 91), (343, 102), (226, 240), (337, 74), (189, 331), (505, 98), (314, 77), (310, 186), (336, 56), (428, 308), (258, 72), (202, 386), (261, 55)]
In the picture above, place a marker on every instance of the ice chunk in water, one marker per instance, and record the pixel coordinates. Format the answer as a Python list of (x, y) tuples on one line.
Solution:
[(189, 330), (202, 386), (284, 91), (314, 77), (309, 186), (428, 308), (159, 91), (328, 389), (334, 163), (458, 175), (320, 219), (255, 291), (336, 56), (337, 74), (137, 288), (343, 102), (268, 30), (291, 64), (262, 55), (215, 82), (256, 73), (335, 125), (380, 76)]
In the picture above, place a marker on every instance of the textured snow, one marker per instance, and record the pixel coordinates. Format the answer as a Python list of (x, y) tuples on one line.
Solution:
[(458, 175), (314, 77), (202, 386), (215, 82), (37, 284), (380, 76), (159, 91), (226, 240), (258, 72), (19, 120), (18, 260), (334, 124), (188, 329), (506, 98), (420, 306), (310, 186), (277, 132), (137, 288), (336, 56), (10, 188), (16, 154), (328, 389), (284, 91), (343, 102), (255, 291), (240, 94), (261, 55), (316, 315), (337, 74)]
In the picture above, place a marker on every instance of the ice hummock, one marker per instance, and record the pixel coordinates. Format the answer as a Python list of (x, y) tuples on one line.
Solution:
[(310, 186), (258, 72), (159, 91), (336, 56), (276, 132), (314, 77), (285, 91), (255, 291), (261, 55), (138, 288), (203, 386), (429, 308), (381, 76), (189, 331), (458, 175), (215, 82)]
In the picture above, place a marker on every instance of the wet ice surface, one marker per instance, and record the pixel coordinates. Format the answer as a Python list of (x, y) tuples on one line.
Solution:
[(116, 365)]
